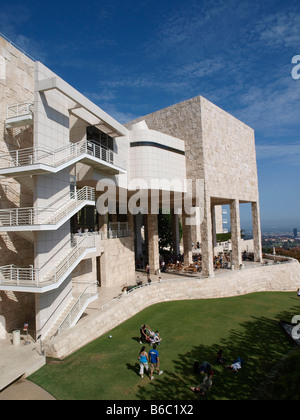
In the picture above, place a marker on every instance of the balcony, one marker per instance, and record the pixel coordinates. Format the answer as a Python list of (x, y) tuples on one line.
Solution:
[(19, 115), (118, 230), (39, 160), (48, 218), (38, 281)]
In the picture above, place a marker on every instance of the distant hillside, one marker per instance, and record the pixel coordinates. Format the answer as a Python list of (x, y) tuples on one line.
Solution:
[(292, 252)]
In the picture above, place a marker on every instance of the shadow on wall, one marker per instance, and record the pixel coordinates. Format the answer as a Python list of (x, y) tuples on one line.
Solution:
[(2, 328)]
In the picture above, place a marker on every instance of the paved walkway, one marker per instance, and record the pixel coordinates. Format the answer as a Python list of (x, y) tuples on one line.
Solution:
[(24, 390), (16, 361)]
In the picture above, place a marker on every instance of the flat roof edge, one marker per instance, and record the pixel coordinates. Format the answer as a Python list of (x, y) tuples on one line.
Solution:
[(67, 90)]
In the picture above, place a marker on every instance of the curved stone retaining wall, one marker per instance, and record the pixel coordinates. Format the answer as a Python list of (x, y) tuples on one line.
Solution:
[(279, 277)]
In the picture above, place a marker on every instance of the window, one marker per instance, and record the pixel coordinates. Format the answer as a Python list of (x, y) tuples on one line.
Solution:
[(97, 136)]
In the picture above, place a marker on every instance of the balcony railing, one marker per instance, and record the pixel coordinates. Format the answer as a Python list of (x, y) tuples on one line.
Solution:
[(11, 275), (118, 230), (19, 110), (90, 293), (55, 158), (32, 216)]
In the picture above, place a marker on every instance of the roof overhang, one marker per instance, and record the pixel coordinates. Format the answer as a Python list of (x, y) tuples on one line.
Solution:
[(84, 109)]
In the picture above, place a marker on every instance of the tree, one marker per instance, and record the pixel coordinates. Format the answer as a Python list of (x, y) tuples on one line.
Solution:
[(165, 232)]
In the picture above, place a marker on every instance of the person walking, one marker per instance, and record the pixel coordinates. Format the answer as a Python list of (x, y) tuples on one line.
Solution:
[(143, 358), (298, 294), (154, 361), (143, 331)]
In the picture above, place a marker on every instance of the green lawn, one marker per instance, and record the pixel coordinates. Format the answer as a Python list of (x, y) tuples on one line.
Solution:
[(246, 326)]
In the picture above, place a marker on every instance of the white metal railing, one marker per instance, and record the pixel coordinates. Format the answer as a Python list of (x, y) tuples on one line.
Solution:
[(30, 216), (31, 277), (118, 230), (11, 274), (71, 318), (77, 236), (55, 158), (19, 110), (69, 260)]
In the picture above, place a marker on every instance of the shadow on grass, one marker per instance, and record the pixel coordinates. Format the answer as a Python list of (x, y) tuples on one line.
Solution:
[(260, 342)]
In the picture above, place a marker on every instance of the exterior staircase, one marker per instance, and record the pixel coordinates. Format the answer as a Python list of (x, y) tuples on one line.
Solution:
[(61, 318), (48, 218), (37, 281), (38, 160), (72, 313)]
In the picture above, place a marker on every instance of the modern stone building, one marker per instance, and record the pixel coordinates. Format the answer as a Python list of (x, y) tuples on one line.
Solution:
[(220, 150), (62, 159)]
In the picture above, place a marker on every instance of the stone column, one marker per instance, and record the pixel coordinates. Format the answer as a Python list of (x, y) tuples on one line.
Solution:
[(236, 256), (187, 239), (103, 221), (138, 234), (153, 249), (214, 226), (198, 226), (256, 232), (130, 224), (175, 234), (207, 241)]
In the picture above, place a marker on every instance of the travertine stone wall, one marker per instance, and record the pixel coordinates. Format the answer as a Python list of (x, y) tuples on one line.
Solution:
[(16, 309), (16, 86), (229, 155), (84, 274), (117, 263), (281, 277)]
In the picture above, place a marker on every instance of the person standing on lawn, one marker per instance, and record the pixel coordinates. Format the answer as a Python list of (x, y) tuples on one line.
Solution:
[(143, 358), (154, 361)]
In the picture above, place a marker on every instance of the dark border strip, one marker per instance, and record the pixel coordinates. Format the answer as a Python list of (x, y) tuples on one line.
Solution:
[(157, 145)]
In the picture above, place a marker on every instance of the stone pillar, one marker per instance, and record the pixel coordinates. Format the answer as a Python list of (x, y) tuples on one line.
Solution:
[(198, 226), (175, 234), (103, 221), (207, 241), (153, 249), (236, 256), (214, 225), (256, 232), (2, 328), (138, 234), (130, 224), (187, 239)]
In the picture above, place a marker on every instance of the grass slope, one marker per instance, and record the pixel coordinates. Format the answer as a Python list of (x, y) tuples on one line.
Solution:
[(246, 326)]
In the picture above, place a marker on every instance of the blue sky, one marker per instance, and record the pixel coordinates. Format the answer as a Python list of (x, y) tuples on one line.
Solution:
[(135, 57)]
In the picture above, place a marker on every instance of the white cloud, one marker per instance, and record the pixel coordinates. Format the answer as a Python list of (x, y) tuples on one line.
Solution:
[(120, 116), (10, 18), (284, 153), (280, 29), (272, 107)]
